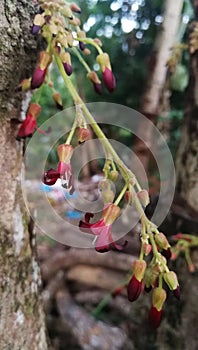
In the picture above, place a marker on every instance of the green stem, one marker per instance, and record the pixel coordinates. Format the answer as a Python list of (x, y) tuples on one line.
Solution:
[(81, 59), (121, 194), (101, 305), (72, 131), (91, 42)]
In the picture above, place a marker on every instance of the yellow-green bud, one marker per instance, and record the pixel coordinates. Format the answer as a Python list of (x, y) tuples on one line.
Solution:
[(171, 280), (158, 298), (139, 268), (144, 197)]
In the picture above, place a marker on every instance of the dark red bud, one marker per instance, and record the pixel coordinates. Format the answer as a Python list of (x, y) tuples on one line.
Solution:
[(134, 289), (154, 317), (68, 68), (98, 88), (109, 79), (81, 45), (38, 78)]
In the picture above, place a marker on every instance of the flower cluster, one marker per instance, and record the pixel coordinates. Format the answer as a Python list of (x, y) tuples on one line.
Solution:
[(58, 24)]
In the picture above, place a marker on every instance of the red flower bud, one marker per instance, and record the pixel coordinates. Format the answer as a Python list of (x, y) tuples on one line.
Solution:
[(109, 79), (75, 8), (135, 285), (38, 23), (96, 81), (40, 71), (155, 314), (143, 197), (134, 289), (82, 134), (105, 66), (66, 60), (154, 317)]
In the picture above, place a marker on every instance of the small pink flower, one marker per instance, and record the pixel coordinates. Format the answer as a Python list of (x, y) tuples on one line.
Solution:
[(102, 228)]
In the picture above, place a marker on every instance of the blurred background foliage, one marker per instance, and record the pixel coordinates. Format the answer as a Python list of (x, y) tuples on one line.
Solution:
[(128, 31)]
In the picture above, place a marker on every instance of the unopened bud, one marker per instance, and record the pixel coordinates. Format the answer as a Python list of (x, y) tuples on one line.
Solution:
[(161, 241), (82, 134), (45, 59), (171, 280), (93, 77), (150, 277), (82, 35), (75, 21), (103, 61), (143, 197), (113, 175), (98, 41), (158, 298), (38, 23), (86, 51), (107, 196), (24, 85), (139, 268), (75, 8), (147, 248), (66, 12), (66, 60), (58, 100)]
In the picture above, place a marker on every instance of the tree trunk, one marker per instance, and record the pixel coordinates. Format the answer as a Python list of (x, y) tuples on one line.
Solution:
[(187, 157), (157, 76), (21, 316)]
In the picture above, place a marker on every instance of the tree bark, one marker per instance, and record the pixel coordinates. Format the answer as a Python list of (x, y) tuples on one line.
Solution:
[(21, 316), (187, 157), (150, 106)]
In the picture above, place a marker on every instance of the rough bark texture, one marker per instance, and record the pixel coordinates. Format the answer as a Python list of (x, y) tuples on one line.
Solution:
[(157, 76), (21, 315), (187, 158)]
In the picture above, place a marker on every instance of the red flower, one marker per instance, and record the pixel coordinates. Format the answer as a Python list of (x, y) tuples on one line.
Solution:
[(63, 170), (102, 228), (30, 123)]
